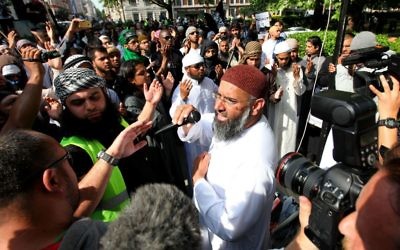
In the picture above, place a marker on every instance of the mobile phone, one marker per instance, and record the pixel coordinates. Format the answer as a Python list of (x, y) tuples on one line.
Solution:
[(85, 24)]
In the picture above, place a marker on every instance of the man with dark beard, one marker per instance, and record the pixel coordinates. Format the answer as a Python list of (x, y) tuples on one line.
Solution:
[(90, 123), (102, 66), (234, 182)]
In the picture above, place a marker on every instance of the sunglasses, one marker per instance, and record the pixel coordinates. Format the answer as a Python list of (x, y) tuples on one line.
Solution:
[(197, 65), (194, 32)]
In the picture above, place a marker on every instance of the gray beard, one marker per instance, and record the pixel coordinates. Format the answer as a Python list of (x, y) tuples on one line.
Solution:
[(231, 129)]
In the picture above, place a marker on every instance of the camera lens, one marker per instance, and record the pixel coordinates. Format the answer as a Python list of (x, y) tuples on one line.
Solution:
[(298, 174)]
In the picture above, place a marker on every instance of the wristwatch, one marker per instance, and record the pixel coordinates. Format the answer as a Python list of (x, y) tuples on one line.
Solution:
[(389, 123), (107, 158)]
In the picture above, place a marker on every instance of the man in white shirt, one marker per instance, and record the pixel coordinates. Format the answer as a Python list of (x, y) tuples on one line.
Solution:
[(195, 89), (234, 182)]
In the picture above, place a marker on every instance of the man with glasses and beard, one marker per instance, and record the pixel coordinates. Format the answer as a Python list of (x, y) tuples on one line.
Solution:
[(234, 181), (195, 89)]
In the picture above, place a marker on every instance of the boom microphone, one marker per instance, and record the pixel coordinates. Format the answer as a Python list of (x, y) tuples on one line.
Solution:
[(193, 117)]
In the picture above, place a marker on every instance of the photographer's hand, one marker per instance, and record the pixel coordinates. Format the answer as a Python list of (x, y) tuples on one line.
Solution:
[(301, 241), (388, 107)]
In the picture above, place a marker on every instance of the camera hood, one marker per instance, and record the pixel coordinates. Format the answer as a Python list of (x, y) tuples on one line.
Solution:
[(341, 108)]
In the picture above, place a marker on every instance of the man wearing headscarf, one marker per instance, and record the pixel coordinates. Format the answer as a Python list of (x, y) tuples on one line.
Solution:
[(252, 54), (284, 109), (195, 89), (90, 124), (213, 65), (130, 46)]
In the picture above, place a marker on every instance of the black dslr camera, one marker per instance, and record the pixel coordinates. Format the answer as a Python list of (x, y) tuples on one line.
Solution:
[(47, 55), (374, 62), (334, 191)]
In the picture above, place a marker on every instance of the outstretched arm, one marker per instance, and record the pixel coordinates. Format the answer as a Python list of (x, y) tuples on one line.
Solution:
[(25, 109), (93, 185)]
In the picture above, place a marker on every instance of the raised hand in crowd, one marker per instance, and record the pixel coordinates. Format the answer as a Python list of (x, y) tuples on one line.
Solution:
[(53, 108), (51, 33), (168, 83), (296, 70), (185, 86), (154, 92), (309, 65), (26, 107), (153, 95), (219, 70), (56, 62), (12, 39), (74, 28), (388, 108)]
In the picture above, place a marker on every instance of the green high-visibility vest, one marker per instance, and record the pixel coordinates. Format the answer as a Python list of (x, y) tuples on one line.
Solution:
[(115, 197)]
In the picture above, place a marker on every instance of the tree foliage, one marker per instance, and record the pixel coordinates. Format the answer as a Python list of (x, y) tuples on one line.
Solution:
[(166, 4), (111, 3), (257, 6), (329, 42)]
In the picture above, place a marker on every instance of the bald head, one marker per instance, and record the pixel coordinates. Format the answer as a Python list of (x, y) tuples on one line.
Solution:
[(274, 32)]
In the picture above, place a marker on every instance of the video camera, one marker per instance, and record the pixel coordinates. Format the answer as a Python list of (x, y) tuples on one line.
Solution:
[(334, 191), (375, 62)]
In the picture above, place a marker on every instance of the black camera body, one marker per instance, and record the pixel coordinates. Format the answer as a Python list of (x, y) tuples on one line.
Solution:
[(374, 62), (334, 191), (47, 55)]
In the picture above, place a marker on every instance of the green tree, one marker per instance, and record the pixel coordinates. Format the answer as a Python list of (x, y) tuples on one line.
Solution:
[(166, 4), (115, 4), (356, 6)]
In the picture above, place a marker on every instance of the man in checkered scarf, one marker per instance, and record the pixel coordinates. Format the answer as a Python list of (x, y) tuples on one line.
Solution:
[(76, 79)]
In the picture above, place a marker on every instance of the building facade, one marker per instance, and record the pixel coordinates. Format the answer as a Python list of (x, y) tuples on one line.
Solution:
[(138, 10)]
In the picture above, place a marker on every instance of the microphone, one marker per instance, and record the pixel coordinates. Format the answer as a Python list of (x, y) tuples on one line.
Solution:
[(193, 117)]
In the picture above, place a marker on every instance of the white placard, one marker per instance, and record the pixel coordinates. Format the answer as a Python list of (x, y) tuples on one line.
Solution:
[(263, 20)]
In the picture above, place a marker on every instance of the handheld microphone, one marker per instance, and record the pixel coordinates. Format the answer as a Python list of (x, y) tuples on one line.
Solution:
[(193, 117)]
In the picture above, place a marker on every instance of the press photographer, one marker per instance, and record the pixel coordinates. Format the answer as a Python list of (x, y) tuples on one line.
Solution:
[(334, 192), (374, 223), (369, 60)]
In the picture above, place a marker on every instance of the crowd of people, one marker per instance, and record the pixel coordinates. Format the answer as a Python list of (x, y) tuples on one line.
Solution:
[(80, 121)]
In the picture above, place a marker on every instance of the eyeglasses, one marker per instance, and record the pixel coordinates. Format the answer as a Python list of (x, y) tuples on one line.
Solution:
[(194, 32), (67, 157), (197, 65), (167, 37), (228, 100)]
